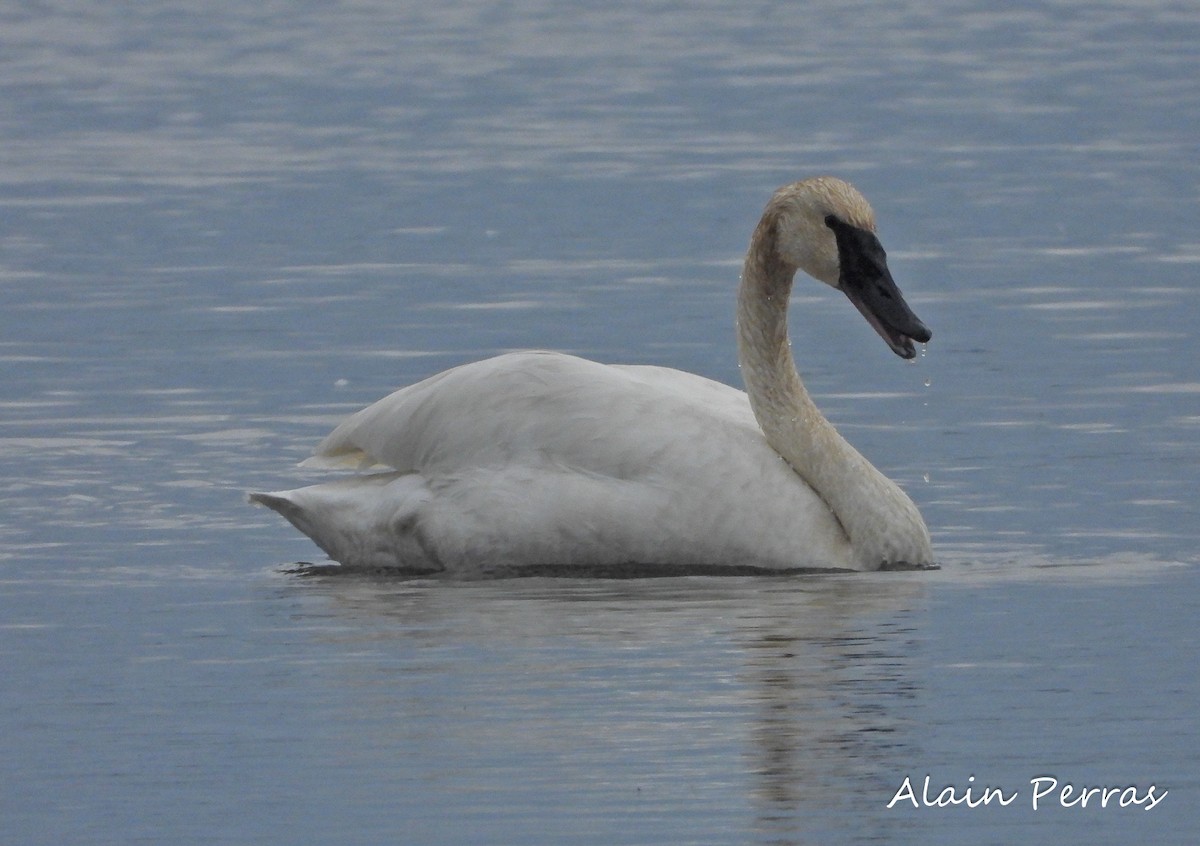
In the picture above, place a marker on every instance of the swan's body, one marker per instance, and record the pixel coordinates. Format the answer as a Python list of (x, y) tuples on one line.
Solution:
[(544, 460)]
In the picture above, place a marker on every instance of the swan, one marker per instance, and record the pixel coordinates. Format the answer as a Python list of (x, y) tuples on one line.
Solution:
[(542, 460)]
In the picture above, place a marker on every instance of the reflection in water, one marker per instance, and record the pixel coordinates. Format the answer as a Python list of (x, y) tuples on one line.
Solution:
[(807, 682), (831, 695)]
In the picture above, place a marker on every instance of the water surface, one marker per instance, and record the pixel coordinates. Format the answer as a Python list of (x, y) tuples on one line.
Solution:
[(222, 231)]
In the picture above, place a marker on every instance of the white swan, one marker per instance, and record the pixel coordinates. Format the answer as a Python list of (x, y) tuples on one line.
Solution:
[(544, 460)]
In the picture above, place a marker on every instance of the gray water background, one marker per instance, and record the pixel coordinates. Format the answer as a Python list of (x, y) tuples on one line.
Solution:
[(226, 226)]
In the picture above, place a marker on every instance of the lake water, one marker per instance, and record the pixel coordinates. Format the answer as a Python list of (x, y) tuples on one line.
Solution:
[(225, 227)]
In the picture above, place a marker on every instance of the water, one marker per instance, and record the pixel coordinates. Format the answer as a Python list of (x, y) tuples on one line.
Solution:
[(224, 230)]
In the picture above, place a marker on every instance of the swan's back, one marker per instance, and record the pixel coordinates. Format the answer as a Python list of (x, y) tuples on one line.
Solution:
[(532, 407)]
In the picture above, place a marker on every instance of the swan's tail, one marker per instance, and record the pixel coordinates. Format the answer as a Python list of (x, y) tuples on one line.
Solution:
[(277, 502), (361, 521)]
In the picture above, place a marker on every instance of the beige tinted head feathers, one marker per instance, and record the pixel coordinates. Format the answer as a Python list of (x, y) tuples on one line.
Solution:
[(803, 239), (826, 228)]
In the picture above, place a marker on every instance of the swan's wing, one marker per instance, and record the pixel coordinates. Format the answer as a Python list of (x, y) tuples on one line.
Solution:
[(535, 407)]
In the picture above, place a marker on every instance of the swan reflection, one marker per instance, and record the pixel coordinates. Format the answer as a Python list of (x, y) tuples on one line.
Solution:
[(786, 701)]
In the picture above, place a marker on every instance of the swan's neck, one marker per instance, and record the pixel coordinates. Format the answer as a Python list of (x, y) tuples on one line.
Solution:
[(881, 522)]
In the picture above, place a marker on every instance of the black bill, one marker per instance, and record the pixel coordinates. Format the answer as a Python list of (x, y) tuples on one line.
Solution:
[(865, 279)]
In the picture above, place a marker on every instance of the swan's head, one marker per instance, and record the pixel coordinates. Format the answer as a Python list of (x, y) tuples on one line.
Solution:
[(826, 228)]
